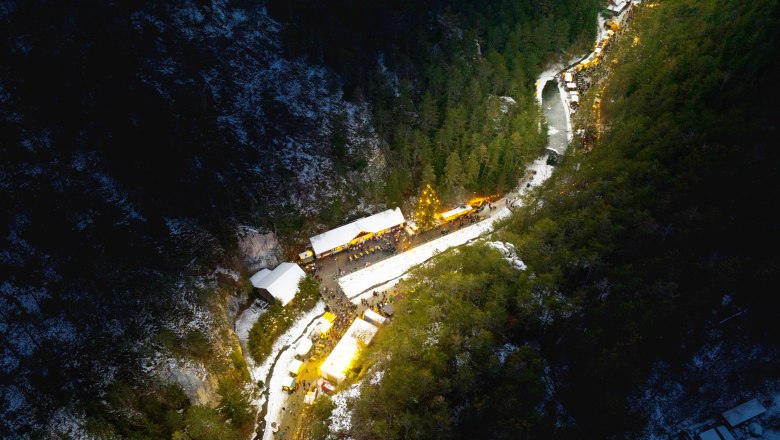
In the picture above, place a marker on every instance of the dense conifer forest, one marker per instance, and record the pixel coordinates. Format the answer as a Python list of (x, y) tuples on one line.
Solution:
[(138, 138), (636, 253)]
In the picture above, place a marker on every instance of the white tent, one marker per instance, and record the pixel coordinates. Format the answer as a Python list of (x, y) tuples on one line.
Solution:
[(567, 77), (374, 317), (324, 326), (744, 412), (282, 282), (295, 367), (571, 85), (336, 365), (303, 347), (575, 98), (456, 212), (255, 279), (343, 235)]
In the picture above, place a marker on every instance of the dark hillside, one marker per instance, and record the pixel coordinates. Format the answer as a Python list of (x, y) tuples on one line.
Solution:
[(658, 244)]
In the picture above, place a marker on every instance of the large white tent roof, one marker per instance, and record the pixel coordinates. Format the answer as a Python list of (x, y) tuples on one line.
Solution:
[(344, 234), (255, 279), (744, 412), (373, 317), (282, 282), (336, 365)]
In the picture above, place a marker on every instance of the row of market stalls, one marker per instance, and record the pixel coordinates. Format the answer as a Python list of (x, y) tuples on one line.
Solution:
[(360, 230), (365, 228), (335, 367), (359, 334), (580, 77)]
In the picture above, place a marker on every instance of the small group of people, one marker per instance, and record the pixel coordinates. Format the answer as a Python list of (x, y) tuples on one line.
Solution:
[(368, 251)]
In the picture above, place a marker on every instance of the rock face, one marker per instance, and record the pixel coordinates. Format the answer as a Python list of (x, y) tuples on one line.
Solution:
[(193, 379), (260, 249)]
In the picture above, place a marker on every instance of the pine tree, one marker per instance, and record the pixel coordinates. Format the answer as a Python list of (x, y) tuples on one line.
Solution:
[(427, 207), (453, 172)]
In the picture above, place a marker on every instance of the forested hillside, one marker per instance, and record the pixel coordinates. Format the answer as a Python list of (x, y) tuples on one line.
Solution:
[(139, 139), (656, 245), (449, 83)]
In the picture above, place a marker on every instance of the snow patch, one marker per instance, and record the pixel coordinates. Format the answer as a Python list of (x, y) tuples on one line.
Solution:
[(282, 352), (394, 267), (510, 255), (248, 318), (505, 351)]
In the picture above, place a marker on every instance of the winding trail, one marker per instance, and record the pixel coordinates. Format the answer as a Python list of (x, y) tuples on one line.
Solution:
[(272, 399)]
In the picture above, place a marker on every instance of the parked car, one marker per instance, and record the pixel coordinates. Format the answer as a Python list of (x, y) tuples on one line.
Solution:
[(327, 387)]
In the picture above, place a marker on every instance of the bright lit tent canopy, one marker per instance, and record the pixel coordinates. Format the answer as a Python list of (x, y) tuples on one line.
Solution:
[(295, 367), (336, 365), (303, 347), (281, 283), (335, 239), (453, 213)]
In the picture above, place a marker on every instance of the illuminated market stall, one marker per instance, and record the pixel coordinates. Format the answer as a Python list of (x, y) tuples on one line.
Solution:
[(336, 365)]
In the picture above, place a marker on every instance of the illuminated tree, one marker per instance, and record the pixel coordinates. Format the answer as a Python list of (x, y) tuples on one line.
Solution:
[(426, 208)]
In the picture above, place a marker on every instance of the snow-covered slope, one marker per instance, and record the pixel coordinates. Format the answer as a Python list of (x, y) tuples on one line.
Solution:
[(123, 170)]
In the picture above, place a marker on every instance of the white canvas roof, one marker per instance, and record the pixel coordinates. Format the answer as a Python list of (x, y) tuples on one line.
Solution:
[(295, 366), (568, 77), (336, 365), (303, 347), (744, 412), (344, 234), (571, 85), (725, 433), (255, 279), (282, 282), (709, 435), (452, 212), (372, 316), (575, 98)]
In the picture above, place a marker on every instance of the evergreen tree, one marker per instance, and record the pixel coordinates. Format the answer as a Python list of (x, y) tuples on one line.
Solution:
[(427, 207), (453, 173)]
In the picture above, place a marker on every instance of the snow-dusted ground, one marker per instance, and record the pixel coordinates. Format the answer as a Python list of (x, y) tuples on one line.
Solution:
[(567, 110), (508, 250), (284, 348), (393, 267), (369, 292), (341, 416), (247, 319), (547, 75)]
